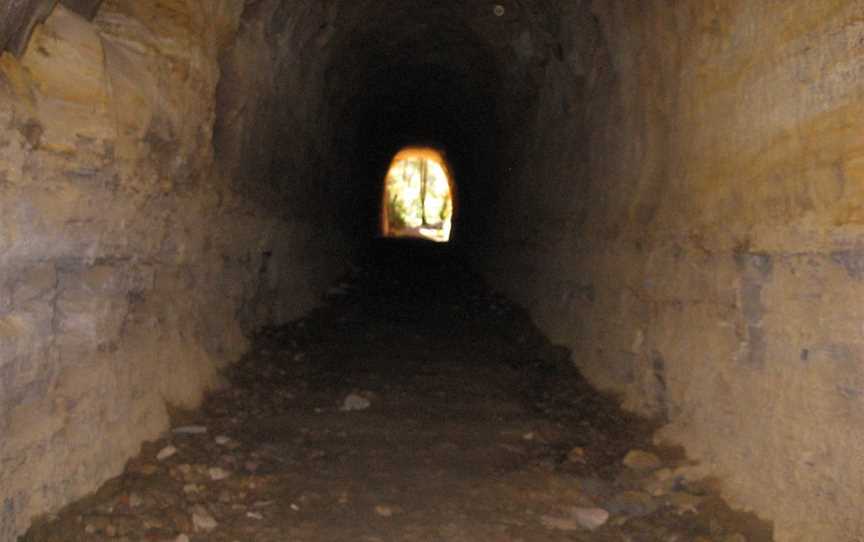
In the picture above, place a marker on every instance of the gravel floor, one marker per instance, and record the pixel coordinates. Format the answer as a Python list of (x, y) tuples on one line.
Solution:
[(415, 406)]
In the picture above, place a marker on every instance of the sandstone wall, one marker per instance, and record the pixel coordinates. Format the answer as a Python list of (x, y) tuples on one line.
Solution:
[(131, 264), (708, 265)]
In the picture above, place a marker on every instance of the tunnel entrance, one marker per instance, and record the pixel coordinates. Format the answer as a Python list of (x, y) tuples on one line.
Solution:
[(418, 199)]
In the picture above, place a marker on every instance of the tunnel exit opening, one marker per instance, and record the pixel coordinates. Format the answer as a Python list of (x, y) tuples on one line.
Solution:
[(418, 197)]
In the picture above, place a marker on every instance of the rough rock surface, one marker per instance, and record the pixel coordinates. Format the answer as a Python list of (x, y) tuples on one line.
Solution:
[(129, 265), (703, 247)]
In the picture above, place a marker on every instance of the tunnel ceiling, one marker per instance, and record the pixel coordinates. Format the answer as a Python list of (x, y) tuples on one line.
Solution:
[(457, 61)]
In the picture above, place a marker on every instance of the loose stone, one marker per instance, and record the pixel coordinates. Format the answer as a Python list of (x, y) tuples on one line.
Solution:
[(355, 402), (578, 518), (591, 518), (166, 452), (203, 520), (217, 473), (135, 500)]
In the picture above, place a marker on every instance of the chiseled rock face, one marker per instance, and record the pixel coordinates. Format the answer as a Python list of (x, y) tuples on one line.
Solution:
[(128, 266), (707, 264)]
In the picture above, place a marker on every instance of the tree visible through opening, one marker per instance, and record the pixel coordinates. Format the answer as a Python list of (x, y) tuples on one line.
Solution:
[(418, 196)]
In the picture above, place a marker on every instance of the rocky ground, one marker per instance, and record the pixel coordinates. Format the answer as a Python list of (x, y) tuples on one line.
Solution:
[(416, 406)]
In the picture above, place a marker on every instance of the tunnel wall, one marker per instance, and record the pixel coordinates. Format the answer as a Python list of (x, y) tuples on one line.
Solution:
[(707, 265), (132, 263)]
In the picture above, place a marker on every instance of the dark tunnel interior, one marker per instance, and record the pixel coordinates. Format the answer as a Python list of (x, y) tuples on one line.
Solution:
[(419, 90), (399, 74)]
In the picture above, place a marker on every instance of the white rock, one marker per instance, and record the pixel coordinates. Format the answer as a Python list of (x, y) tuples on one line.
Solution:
[(355, 402), (166, 452), (135, 500), (254, 515), (203, 520), (578, 518), (190, 430), (222, 440), (181, 538), (217, 473), (590, 518)]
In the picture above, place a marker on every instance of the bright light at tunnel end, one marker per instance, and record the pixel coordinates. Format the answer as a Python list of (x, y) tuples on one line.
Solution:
[(418, 197)]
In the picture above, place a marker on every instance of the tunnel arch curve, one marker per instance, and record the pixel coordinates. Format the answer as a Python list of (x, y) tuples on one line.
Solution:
[(447, 209)]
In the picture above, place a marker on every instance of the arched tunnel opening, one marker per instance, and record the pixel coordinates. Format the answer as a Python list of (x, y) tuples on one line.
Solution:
[(418, 196), (417, 73), (642, 327)]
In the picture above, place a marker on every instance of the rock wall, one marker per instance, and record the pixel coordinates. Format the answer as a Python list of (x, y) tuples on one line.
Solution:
[(131, 263), (706, 263)]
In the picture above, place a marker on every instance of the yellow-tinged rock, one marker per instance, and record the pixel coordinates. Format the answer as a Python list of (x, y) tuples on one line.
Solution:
[(14, 78), (31, 423), (12, 327), (65, 60)]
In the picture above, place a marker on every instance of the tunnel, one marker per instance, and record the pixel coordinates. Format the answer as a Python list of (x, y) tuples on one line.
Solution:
[(673, 191)]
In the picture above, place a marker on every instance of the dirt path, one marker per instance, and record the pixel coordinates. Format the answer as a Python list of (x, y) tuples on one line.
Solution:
[(416, 411)]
